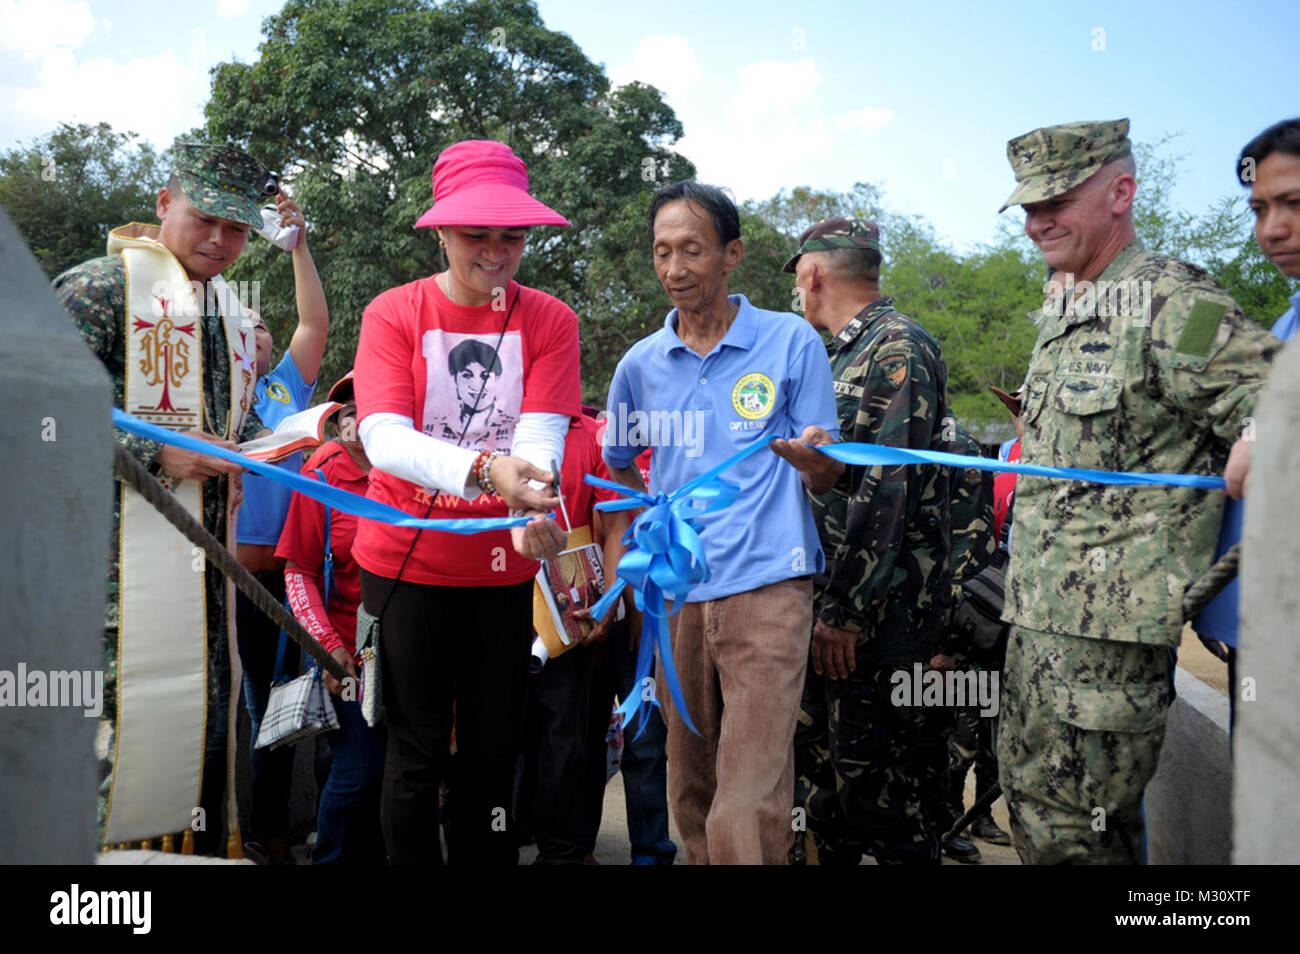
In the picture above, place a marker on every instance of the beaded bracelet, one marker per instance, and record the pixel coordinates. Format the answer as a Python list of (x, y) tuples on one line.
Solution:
[(482, 471)]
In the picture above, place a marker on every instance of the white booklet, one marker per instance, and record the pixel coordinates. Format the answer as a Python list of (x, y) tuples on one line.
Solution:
[(296, 432)]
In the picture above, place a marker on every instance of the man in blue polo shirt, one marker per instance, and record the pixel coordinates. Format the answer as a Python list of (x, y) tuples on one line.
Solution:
[(285, 390), (1269, 165), (720, 375)]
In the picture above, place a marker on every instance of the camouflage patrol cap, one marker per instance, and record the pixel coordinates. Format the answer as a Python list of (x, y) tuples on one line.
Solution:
[(223, 181), (1053, 160), (837, 232)]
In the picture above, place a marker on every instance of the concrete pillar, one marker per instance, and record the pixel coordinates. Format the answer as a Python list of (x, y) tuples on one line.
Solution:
[(55, 519), (1188, 802), (1266, 783)]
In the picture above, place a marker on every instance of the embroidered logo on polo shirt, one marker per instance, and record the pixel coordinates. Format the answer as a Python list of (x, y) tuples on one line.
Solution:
[(754, 396), (277, 392)]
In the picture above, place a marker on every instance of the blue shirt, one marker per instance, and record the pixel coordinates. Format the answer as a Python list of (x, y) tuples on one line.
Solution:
[(266, 503), (1219, 618), (768, 377)]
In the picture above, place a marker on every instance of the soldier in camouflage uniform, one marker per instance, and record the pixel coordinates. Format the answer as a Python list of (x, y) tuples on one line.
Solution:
[(973, 544), (206, 210), (864, 766), (1155, 373)]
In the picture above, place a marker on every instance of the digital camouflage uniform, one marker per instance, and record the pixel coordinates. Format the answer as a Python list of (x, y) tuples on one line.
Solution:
[(862, 764), (973, 545), (1098, 572), (94, 295)]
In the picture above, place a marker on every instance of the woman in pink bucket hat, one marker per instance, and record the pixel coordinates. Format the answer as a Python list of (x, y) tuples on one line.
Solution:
[(465, 383)]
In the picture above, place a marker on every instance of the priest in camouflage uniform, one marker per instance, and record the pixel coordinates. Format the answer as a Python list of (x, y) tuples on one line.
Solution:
[(181, 353)]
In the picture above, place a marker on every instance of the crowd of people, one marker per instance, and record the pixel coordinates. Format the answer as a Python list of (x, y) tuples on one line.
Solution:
[(829, 584)]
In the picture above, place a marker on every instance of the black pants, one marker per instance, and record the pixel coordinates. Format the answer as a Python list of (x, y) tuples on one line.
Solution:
[(259, 639), (553, 790), (457, 655)]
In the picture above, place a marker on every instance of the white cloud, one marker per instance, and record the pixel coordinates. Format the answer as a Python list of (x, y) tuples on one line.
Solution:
[(771, 132), (230, 9), (59, 83), (666, 62), (757, 130), (34, 28), (868, 119), (120, 94)]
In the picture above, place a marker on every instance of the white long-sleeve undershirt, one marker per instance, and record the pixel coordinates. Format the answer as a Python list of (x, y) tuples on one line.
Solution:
[(394, 446)]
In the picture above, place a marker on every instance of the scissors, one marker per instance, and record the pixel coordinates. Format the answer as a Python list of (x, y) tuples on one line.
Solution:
[(555, 485)]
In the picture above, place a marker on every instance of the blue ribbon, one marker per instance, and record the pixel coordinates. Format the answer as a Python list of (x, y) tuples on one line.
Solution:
[(349, 503), (665, 558), (872, 455)]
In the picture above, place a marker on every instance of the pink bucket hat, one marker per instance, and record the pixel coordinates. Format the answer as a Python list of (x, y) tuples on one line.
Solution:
[(481, 182)]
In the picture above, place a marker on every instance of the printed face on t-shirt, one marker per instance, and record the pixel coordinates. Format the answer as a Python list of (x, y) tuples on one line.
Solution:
[(472, 389), (476, 387)]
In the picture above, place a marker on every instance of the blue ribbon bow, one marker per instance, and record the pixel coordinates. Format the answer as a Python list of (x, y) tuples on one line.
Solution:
[(665, 558)]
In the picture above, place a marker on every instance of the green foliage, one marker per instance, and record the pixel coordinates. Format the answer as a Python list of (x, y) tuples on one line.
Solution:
[(976, 305), (1221, 239), (354, 101), (67, 189)]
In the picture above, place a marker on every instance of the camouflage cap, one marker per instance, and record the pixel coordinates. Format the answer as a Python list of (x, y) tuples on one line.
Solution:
[(223, 181), (837, 232), (1055, 159)]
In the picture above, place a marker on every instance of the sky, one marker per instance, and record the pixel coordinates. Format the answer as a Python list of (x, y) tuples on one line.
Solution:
[(918, 97)]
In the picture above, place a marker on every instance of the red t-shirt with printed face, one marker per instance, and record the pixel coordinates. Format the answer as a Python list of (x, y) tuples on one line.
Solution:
[(438, 363), (302, 541)]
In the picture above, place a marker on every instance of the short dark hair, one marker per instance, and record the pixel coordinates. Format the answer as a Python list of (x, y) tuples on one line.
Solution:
[(726, 220), (174, 184), (852, 264), (1280, 137), (470, 351)]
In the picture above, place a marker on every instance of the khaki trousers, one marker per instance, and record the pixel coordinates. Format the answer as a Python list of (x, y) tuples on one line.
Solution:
[(741, 661)]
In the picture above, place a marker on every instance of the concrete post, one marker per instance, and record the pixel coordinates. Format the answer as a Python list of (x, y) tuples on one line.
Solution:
[(55, 519), (1266, 783)]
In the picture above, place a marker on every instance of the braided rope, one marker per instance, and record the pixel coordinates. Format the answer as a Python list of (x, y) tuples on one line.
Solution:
[(1196, 596), (133, 473)]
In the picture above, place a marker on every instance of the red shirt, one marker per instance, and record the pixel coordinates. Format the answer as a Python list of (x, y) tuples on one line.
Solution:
[(303, 539), (423, 357), (1004, 487), (642, 461), (582, 457)]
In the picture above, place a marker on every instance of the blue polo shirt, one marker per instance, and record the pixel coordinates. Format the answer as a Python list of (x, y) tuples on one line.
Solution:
[(266, 503), (768, 377)]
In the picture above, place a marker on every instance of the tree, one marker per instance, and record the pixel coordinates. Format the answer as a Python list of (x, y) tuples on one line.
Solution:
[(1220, 240), (354, 101), (65, 190)]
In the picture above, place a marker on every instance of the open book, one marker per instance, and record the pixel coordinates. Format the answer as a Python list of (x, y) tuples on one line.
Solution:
[(296, 432), (573, 580)]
